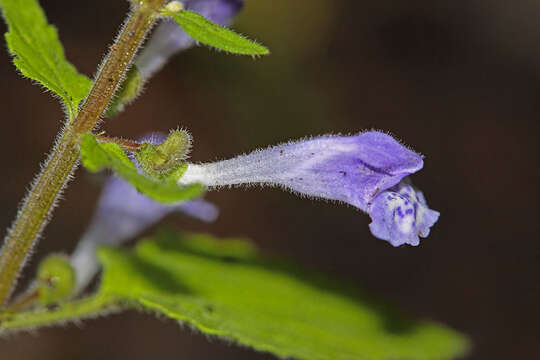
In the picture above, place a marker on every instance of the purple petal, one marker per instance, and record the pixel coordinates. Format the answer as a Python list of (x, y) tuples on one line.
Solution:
[(200, 209), (400, 215), (169, 38), (218, 11), (154, 138), (352, 169), (366, 171), (123, 212)]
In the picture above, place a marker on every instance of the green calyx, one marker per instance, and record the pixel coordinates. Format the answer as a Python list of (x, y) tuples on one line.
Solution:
[(165, 161), (55, 279)]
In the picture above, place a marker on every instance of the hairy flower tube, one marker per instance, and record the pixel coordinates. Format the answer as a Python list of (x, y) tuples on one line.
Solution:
[(364, 170), (169, 38)]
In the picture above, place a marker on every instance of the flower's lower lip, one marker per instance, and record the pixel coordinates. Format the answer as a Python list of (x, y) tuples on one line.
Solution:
[(402, 216)]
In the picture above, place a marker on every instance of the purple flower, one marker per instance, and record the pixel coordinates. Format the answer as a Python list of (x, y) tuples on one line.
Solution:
[(358, 170), (169, 38), (122, 212)]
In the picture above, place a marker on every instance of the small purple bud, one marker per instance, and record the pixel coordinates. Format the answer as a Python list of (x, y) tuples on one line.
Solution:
[(169, 38), (351, 169)]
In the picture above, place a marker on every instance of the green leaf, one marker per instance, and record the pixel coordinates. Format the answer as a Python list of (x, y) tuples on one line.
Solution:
[(224, 289), (209, 33), (96, 157), (38, 53)]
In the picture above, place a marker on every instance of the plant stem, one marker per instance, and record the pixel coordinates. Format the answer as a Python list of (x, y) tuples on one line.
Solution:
[(36, 209), (126, 145)]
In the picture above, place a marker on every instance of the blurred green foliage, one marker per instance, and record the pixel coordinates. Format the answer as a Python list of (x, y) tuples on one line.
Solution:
[(55, 279), (224, 288)]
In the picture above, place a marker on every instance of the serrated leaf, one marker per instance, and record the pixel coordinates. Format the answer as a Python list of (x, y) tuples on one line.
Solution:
[(96, 157), (39, 55), (212, 34), (224, 289)]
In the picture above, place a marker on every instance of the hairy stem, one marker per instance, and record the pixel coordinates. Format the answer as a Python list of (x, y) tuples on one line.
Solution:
[(36, 209), (127, 145)]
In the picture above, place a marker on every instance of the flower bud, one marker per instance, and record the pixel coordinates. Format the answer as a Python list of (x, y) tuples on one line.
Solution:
[(55, 279), (165, 160)]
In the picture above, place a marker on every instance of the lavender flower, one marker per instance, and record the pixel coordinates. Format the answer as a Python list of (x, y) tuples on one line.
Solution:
[(361, 170), (169, 38), (122, 212)]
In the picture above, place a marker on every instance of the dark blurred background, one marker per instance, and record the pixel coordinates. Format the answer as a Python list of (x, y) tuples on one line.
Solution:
[(459, 81)]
